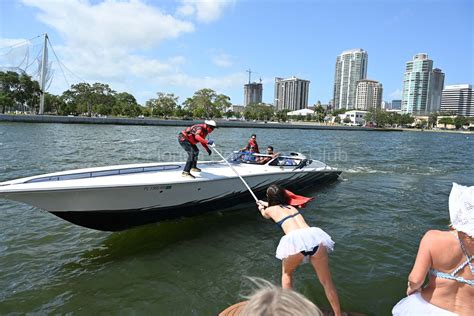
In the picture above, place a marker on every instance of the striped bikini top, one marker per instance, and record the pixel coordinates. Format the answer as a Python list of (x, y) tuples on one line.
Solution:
[(452, 275), (281, 221)]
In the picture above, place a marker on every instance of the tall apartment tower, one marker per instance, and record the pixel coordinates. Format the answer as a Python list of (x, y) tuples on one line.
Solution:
[(291, 94), (435, 90), (253, 93), (421, 86), (351, 66), (458, 99), (368, 95)]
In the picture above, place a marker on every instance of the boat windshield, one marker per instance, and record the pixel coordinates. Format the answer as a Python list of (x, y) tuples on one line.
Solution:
[(263, 159)]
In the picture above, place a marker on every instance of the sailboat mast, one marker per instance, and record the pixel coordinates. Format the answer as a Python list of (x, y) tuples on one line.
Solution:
[(44, 64)]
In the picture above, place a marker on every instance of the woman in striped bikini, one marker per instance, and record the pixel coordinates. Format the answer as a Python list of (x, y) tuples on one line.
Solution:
[(447, 256), (299, 243)]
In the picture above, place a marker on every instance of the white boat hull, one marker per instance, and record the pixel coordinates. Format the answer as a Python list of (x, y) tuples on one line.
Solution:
[(122, 201)]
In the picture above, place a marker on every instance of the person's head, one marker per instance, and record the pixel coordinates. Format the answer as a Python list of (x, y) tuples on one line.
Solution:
[(253, 136), (270, 150), (269, 299), (276, 195), (210, 125), (461, 209)]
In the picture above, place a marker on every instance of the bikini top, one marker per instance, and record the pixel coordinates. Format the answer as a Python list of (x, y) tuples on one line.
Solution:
[(452, 275), (281, 221)]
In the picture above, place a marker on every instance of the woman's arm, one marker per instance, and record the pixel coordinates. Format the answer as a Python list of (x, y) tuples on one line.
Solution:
[(262, 206), (422, 264)]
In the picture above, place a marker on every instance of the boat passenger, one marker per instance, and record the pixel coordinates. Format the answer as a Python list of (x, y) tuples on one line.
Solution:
[(188, 139), (271, 153), (300, 243), (447, 257), (252, 145)]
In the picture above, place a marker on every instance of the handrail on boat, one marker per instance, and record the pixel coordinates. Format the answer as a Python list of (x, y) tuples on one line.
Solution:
[(104, 173)]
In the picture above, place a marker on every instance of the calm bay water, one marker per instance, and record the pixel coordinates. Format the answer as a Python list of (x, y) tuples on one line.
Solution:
[(396, 188)]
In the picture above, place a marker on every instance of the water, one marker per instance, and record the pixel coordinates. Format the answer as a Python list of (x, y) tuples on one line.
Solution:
[(397, 188)]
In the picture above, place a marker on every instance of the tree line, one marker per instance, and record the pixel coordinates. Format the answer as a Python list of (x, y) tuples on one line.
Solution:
[(19, 92)]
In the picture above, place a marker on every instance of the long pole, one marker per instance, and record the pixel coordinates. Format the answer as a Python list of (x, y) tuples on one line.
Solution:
[(44, 62), (235, 171)]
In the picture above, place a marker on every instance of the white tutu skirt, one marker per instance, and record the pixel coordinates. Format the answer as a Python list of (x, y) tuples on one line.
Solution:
[(304, 239), (415, 304)]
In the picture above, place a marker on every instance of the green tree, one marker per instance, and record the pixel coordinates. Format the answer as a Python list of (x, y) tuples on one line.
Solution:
[(203, 103), (406, 119), (446, 121), (18, 91), (459, 121), (432, 119), (86, 98), (164, 105), (347, 120), (53, 103), (281, 115)]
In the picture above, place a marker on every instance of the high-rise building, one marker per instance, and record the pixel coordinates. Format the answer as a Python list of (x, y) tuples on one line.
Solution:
[(435, 90), (458, 100), (396, 104), (253, 93), (291, 94), (351, 66), (421, 86), (368, 95)]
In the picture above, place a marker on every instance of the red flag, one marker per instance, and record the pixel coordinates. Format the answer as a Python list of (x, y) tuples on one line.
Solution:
[(297, 200)]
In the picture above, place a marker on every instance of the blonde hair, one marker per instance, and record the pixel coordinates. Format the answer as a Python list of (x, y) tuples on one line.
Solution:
[(271, 300)]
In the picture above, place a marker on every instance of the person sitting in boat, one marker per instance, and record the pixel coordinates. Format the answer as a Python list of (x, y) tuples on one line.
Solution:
[(263, 160), (447, 257), (252, 145), (300, 242), (188, 139)]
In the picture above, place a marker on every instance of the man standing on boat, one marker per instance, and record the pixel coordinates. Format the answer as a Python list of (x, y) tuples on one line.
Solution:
[(188, 139)]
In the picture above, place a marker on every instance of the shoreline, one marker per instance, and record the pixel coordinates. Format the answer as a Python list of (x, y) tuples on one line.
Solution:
[(178, 122), (221, 123)]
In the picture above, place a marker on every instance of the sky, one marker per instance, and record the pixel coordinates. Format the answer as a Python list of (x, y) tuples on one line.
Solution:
[(144, 46)]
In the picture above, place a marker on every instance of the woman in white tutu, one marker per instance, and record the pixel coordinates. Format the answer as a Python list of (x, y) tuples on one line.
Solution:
[(300, 242), (447, 256)]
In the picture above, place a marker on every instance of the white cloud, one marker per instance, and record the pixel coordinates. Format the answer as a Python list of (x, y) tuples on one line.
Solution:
[(204, 10), (222, 60), (112, 41), (130, 25), (395, 95)]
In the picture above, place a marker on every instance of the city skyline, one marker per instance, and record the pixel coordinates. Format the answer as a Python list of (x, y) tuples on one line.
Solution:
[(182, 46)]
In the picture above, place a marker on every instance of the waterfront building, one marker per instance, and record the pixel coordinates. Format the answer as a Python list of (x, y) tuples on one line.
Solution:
[(368, 95), (253, 93), (237, 108), (435, 90), (302, 112), (396, 105), (386, 105), (458, 100), (351, 66), (291, 94), (421, 86), (356, 117)]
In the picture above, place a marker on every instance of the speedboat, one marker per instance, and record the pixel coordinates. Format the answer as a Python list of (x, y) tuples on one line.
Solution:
[(115, 198)]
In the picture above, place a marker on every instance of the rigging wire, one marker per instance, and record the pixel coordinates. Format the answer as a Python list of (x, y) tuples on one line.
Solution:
[(24, 42), (61, 65)]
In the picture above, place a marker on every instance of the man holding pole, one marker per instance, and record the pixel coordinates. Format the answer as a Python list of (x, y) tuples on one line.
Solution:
[(188, 139)]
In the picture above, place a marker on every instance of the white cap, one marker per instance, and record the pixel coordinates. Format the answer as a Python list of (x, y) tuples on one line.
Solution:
[(461, 208), (210, 123)]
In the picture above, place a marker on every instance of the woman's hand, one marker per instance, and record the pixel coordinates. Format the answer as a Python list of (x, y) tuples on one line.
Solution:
[(411, 289), (261, 205)]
